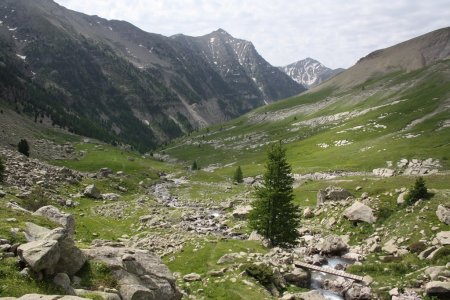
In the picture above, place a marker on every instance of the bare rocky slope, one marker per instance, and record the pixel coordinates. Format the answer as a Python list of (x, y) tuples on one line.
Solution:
[(410, 55)]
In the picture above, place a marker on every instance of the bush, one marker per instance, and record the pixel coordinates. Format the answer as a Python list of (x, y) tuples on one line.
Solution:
[(418, 191), (417, 247), (2, 170), (23, 147), (262, 273)]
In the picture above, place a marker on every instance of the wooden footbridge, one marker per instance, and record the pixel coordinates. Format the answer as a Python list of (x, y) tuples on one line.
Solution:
[(303, 265)]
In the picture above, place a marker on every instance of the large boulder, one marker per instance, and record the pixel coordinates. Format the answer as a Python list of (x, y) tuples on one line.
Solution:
[(55, 215), (443, 214), (298, 277), (70, 260), (332, 193), (140, 273), (332, 244), (443, 238), (358, 292), (438, 289), (241, 212), (91, 191), (359, 212), (41, 256)]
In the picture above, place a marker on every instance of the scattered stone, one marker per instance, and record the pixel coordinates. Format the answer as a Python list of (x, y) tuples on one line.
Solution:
[(308, 213), (359, 212), (192, 277), (443, 214), (110, 197), (358, 292)]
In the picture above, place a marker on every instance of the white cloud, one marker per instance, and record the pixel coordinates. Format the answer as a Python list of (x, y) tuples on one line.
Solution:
[(337, 33)]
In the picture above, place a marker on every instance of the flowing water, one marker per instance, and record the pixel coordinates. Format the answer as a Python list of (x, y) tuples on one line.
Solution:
[(318, 277)]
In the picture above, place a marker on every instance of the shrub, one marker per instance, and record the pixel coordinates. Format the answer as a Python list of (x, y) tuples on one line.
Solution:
[(417, 247), (262, 273), (35, 200), (23, 147), (418, 191)]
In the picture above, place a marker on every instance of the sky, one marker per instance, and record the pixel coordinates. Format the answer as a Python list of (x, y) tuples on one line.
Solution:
[(335, 32)]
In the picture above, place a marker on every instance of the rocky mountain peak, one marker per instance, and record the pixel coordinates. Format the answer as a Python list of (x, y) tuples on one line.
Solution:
[(309, 72)]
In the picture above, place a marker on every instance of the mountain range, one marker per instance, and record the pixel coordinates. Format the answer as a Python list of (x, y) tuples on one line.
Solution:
[(113, 81), (309, 72)]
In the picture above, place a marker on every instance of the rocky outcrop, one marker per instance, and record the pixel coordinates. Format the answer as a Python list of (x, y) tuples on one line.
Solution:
[(140, 273), (359, 212), (358, 292), (55, 215), (332, 193), (443, 214)]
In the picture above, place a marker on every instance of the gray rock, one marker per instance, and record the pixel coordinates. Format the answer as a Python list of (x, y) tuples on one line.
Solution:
[(308, 213), (311, 295), (401, 198), (40, 255), (2, 194), (383, 172), (145, 277), (443, 214), (358, 292), (255, 236), (227, 259), (332, 193), (91, 191), (35, 232), (298, 277), (438, 289), (332, 244), (443, 238), (241, 212), (192, 277), (110, 197), (62, 280), (425, 253), (359, 212), (390, 247), (55, 215)]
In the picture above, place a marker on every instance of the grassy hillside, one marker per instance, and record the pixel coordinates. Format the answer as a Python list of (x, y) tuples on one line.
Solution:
[(400, 115)]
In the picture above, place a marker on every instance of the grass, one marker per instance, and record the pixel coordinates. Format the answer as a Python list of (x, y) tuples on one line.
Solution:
[(12, 284), (95, 274)]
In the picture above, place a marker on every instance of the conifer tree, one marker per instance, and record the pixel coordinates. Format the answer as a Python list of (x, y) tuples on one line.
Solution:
[(238, 176), (2, 170), (418, 191), (274, 214), (23, 147), (194, 166)]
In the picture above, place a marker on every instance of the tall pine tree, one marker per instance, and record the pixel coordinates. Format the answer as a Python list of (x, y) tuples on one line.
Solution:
[(274, 214), (238, 177)]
